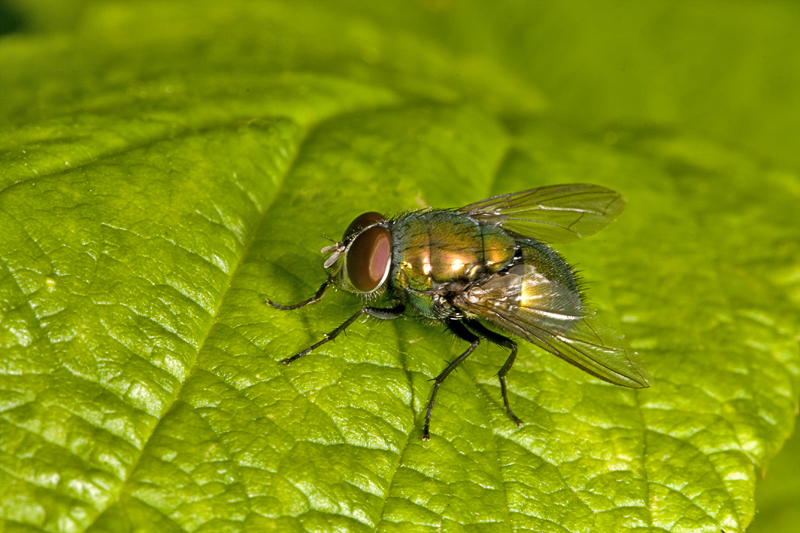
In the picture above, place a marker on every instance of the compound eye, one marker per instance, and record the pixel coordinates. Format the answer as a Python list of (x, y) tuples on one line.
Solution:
[(368, 258), (362, 221)]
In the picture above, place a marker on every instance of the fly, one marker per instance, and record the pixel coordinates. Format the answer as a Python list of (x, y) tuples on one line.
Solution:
[(486, 263)]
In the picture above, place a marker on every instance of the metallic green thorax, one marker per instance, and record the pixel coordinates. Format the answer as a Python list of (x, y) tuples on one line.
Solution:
[(432, 250)]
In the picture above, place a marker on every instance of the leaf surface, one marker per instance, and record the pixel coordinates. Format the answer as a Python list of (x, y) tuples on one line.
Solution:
[(166, 166)]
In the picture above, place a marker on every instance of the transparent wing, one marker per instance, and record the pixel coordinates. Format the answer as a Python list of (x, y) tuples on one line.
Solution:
[(552, 316), (560, 213)]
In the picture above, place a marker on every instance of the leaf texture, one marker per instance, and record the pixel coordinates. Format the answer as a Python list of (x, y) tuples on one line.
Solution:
[(165, 167)]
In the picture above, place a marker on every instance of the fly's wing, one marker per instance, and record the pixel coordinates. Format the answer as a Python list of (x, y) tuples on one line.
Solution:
[(556, 214), (551, 316)]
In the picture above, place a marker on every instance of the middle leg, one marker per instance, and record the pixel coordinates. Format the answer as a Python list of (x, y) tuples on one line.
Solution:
[(505, 342), (462, 332)]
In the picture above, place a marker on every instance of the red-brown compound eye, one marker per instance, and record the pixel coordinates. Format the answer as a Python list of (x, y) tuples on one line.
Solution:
[(363, 221), (368, 258)]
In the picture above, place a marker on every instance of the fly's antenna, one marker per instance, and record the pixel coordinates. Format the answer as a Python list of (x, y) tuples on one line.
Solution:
[(336, 249)]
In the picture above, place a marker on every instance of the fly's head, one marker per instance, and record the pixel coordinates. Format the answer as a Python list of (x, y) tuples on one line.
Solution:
[(361, 261)]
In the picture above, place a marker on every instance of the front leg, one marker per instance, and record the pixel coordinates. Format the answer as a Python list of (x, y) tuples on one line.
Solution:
[(375, 312), (314, 299)]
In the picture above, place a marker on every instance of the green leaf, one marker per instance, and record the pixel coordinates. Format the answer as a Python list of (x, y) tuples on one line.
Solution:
[(779, 492), (167, 165)]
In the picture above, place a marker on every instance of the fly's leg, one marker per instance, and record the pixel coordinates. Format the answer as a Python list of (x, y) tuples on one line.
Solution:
[(314, 299), (505, 342), (456, 327), (375, 312)]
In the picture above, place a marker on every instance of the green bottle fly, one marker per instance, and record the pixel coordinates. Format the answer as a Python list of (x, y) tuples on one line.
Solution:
[(486, 263)]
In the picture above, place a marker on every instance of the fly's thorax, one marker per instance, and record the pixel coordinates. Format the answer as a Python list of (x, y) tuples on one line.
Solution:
[(435, 248), (361, 262)]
